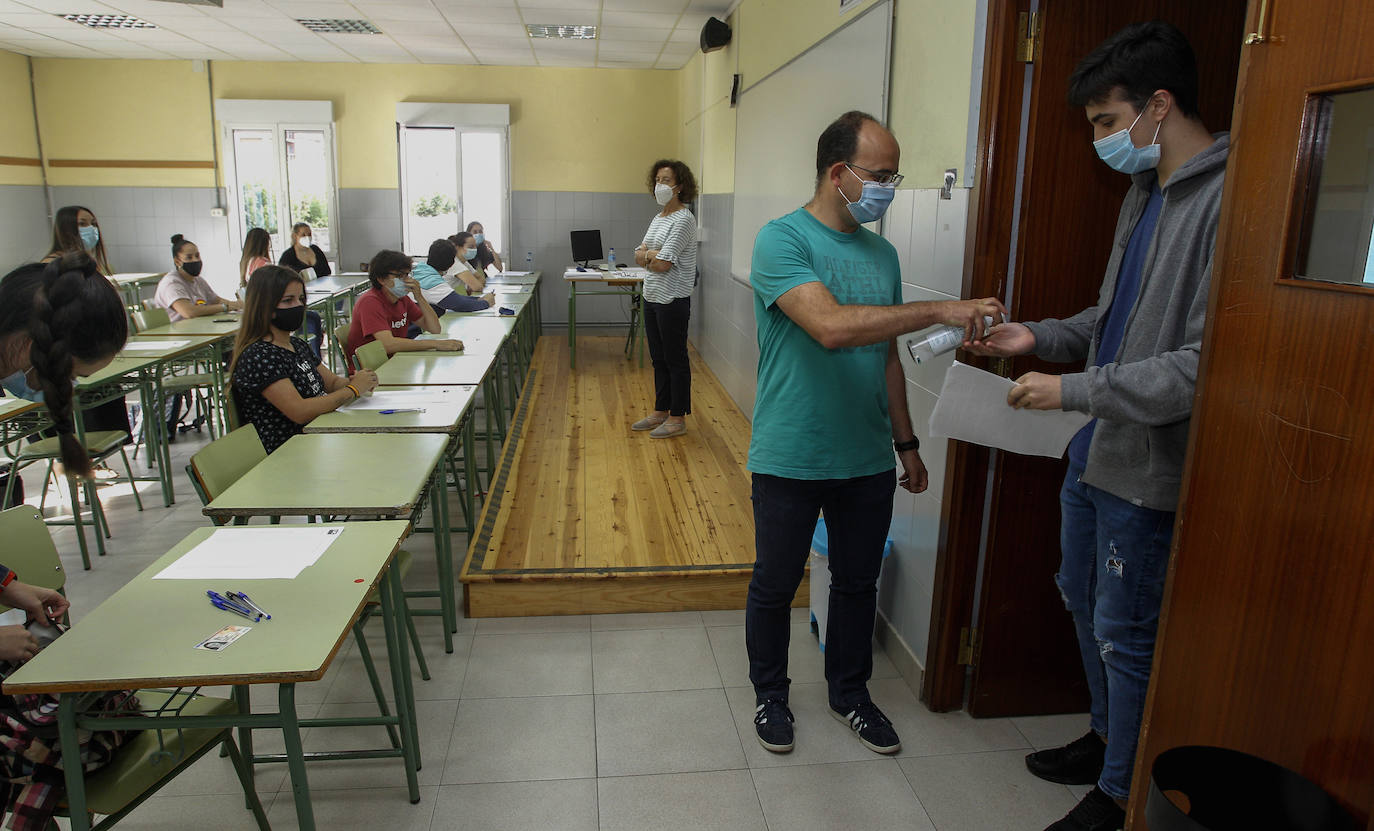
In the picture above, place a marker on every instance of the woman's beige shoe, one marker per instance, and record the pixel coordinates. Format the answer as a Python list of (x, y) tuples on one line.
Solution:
[(669, 429), (648, 423)]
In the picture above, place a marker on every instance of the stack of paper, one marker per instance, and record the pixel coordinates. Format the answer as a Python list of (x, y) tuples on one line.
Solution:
[(973, 407), (252, 554), (515, 274), (159, 345), (384, 399)]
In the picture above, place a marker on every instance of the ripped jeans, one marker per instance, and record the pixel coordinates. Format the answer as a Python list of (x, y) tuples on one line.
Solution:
[(1115, 555)]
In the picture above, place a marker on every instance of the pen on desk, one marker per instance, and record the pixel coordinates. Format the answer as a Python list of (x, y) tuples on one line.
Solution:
[(236, 609), (402, 410), (245, 600), (217, 599)]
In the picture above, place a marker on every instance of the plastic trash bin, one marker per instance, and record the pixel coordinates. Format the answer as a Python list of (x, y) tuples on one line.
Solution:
[(820, 578)]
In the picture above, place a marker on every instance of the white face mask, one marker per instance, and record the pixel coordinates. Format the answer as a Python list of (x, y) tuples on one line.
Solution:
[(305, 242), (663, 194)]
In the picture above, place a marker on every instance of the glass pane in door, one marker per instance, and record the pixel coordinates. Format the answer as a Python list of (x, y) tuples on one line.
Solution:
[(308, 184), (484, 191), (430, 186), (255, 168)]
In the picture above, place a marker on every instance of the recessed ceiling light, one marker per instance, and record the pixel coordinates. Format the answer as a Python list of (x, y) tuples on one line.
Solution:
[(564, 32), (339, 26), (108, 21)]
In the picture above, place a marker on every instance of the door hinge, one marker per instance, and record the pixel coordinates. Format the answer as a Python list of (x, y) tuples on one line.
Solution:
[(968, 646), (1027, 36)]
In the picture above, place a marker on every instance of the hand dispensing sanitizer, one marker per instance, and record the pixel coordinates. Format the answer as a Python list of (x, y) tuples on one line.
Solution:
[(939, 341)]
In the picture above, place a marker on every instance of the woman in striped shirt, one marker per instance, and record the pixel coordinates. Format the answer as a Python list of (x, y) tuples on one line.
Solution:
[(669, 252)]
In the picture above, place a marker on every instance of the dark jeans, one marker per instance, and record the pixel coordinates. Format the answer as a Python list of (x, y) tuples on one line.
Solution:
[(858, 513), (1115, 555), (314, 327), (665, 328)]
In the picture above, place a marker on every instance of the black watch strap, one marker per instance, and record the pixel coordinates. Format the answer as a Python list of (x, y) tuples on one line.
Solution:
[(904, 446)]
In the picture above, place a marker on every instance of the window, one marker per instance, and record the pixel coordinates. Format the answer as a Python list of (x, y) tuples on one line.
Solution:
[(454, 171), (1335, 192), (279, 175)]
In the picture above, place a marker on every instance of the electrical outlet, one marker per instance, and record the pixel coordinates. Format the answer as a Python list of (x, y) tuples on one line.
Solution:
[(216, 212)]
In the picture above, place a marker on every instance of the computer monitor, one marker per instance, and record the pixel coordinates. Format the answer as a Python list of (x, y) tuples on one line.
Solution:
[(586, 246)]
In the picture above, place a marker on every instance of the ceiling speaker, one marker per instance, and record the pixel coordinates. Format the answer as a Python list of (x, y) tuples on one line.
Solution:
[(715, 35)]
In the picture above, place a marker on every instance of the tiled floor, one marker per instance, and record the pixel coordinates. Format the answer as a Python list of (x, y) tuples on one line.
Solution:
[(609, 722)]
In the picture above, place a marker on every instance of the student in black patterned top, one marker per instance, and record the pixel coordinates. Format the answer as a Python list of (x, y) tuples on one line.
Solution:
[(669, 252), (303, 255), (279, 384)]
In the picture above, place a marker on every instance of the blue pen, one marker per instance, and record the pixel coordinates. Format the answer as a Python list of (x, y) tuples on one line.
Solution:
[(229, 607), (247, 601), (402, 410), (217, 599)]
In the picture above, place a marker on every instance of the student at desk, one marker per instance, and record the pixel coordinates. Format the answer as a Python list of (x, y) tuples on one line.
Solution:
[(486, 252), (183, 292), (385, 312), (474, 280), (431, 275), (278, 382)]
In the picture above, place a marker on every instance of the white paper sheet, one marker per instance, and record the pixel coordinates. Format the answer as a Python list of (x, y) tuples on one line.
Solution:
[(973, 407), (401, 400), (516, 273), (159, 345), (252, 554)]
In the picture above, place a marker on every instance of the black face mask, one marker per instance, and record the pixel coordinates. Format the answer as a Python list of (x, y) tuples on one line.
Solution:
[(192, 268), (288, 320)]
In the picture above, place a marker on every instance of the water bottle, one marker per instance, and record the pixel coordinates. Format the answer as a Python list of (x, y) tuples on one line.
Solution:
[(610, 259), (942, 339), (529, 261)]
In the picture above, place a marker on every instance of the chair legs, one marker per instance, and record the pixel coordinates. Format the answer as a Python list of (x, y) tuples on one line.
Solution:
[(371, 668), (129, 471), (245, 775)]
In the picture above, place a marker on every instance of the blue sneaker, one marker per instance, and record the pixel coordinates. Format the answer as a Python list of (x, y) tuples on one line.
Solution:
[(870, 725), (773, 724)]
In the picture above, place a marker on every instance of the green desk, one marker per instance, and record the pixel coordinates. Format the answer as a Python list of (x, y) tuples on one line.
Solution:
[(142, 636), (350, 474), (19, 419), (133, 283), (326, 294), (445, 369), (224, 325), (623, 282)]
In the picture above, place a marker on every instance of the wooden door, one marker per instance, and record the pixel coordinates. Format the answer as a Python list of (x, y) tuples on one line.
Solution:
[(1025, 659), (1266, 643)]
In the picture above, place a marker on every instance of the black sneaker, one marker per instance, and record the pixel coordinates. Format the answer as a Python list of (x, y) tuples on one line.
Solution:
[(1097, 812), (1077, 763), (870, 725), (773, 724)]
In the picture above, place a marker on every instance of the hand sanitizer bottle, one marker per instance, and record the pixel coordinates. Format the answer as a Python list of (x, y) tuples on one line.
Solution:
[(938, 341)]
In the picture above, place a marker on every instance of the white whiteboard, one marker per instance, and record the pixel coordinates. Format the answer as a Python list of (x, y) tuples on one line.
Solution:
[(781, 117)]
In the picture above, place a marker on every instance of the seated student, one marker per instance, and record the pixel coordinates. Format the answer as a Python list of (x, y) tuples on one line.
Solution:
[(58, 321), (278, 383), (486, 252), (431, 275), (257, 252), (183, 292), (303, 256), (385, 312), (465, 270)]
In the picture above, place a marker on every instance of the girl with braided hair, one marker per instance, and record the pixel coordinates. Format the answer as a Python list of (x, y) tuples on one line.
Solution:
[(58, 321)]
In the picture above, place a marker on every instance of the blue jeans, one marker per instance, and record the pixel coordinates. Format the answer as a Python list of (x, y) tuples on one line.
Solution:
[(858, 513), (1115, 555)]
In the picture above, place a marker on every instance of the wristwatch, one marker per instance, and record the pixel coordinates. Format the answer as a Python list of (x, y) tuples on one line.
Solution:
[(904, 446)]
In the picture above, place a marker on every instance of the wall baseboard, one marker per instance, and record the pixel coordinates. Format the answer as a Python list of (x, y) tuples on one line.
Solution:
[(897, 650)]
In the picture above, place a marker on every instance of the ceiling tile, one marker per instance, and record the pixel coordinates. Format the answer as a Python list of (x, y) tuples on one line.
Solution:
[(444, 56), (631, 33), (560, 17), (643, 20), (661, 6), (558, 4), (480, 14), (497, 43), (397, 11), (631, 48), (685, 34), (478, 31), (316, 8), (402, 28), (433, 41)]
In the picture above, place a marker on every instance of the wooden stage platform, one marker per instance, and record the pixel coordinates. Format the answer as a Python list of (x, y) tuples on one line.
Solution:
[(587, 517)]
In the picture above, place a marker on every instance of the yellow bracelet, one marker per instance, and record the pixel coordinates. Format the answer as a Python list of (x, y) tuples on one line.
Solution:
[(356, 394)]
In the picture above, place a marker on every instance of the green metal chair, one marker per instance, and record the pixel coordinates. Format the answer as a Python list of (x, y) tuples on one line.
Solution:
[(184, 378), (370, 355), (339, 343), (220, 464), (99, 446), (140, 767)]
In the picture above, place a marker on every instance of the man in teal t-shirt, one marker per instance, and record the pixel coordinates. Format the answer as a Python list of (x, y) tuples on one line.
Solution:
[(831, 395)]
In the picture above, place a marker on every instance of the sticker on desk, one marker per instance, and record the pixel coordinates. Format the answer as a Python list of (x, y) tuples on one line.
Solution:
[(220, 641)]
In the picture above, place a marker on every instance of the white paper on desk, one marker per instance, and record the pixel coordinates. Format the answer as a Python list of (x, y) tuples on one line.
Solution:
[(514, 274), (159, 345), (252, 554), (497, 288), (401, 400), (973, 407)]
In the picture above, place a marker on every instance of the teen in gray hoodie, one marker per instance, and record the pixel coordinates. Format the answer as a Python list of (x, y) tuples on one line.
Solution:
[(1141, 343)]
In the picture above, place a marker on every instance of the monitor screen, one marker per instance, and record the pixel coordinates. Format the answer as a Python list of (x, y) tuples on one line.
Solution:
[(586, 245)]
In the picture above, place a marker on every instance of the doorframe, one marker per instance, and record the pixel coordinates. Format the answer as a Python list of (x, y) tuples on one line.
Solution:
[(987, 254)]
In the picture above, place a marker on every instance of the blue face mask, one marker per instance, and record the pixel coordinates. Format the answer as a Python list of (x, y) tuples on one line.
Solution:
[(479, 238), (1120, 153), (470, 253), (398, 288), (18, 386), (90, 235), (872, 203)]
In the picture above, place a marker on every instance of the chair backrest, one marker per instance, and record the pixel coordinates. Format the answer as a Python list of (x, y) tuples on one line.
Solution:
[(231, 407), (341, 343), (29, 550), (371, 355), (223, 461), (150, 317)]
